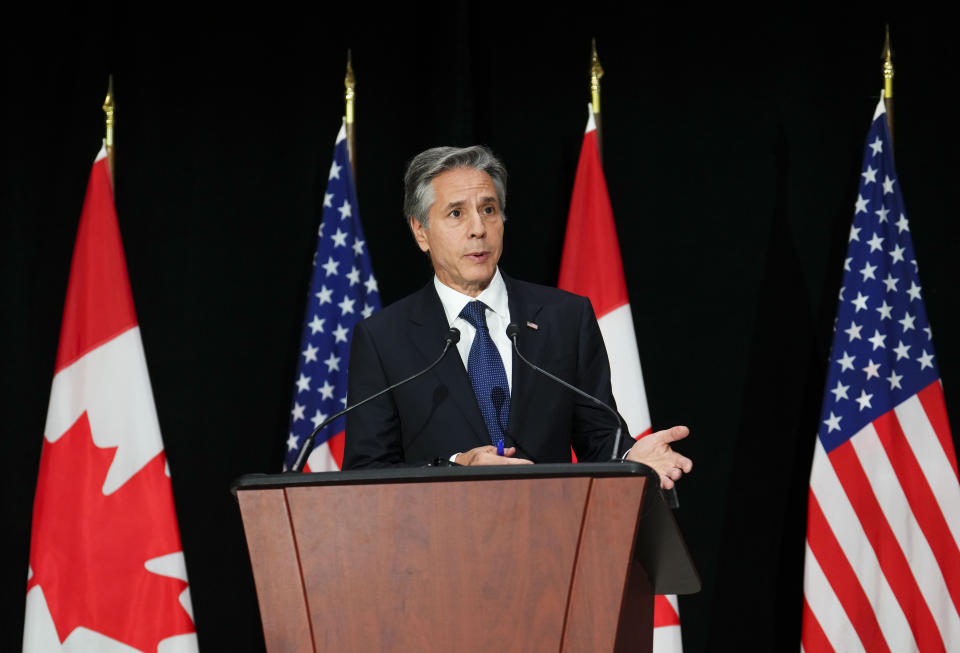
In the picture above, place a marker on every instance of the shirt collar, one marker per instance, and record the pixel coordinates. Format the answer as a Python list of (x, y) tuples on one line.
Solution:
[(494, 296)]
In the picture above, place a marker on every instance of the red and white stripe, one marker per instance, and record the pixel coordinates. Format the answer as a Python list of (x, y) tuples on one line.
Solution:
[(327, 457), (592, 266), (882, 566)]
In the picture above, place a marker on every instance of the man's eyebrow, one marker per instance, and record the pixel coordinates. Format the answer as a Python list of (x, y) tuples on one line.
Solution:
[(459, 203)]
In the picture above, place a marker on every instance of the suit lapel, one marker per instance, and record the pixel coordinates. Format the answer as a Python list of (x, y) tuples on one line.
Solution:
[(530, 341), (429, 329)]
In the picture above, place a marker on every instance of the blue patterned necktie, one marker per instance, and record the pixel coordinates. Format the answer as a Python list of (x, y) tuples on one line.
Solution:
[(487, 374)]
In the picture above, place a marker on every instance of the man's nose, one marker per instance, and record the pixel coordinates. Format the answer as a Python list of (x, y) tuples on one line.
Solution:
[(478, 226)]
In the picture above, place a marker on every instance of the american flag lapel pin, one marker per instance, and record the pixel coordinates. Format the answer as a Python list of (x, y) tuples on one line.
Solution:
[(533, 325)]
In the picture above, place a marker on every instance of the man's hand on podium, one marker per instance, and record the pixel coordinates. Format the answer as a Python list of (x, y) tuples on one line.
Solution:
[(654, 451), (488, 456)]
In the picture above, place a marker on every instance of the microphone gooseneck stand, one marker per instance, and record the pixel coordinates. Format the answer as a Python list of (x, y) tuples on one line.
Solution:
[(451, 338)]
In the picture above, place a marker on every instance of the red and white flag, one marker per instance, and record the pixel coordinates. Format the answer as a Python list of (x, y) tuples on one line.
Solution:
[(591, 266), (107, 571)]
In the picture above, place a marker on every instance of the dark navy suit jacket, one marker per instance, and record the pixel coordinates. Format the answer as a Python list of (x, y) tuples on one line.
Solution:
[(437, 415)]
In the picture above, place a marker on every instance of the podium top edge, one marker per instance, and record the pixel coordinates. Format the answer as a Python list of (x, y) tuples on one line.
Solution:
[(442, 474)]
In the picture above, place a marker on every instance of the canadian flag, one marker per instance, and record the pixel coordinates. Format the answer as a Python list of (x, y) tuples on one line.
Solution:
[(107, 571), (591, 266)]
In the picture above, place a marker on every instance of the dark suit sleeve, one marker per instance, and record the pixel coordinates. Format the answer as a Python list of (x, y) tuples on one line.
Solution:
[(373, 431), (593, 427)]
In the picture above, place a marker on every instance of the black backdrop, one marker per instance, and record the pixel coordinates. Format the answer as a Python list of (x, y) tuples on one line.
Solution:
[(732, 152)]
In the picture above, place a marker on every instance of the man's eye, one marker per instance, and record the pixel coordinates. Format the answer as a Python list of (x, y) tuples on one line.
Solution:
[(455, 213), (489, 210)]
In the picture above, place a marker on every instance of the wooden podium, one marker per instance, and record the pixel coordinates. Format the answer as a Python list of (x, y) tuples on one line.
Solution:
[(513, 558)]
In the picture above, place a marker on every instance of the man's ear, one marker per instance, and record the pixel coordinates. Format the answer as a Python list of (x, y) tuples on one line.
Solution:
[(419, 234)]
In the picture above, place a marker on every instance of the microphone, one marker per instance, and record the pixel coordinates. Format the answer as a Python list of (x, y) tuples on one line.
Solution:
[(451, 338), (512, 330)]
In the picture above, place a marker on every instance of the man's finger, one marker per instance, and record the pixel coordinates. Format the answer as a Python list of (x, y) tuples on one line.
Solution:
[(494, 459), (674, 433)]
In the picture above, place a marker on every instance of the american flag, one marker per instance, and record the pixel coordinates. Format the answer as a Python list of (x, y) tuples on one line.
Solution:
[(343, 292), (882, 570)]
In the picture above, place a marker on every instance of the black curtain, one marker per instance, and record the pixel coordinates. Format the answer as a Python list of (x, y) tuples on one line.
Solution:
[(732, 150)]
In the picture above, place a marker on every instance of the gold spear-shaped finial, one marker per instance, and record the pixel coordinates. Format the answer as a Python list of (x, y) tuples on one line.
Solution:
[(350, 84), (887, 67), (888, 80), (596, 72), (109, 109)]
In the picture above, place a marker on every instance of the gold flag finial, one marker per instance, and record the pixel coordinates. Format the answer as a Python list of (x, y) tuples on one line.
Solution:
[(596, 72), (887, 66), (350, 95), (350, 84), (888, 79), (109, 109)]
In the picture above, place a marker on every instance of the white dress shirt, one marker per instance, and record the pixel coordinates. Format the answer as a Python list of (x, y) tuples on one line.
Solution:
[(498, 317)]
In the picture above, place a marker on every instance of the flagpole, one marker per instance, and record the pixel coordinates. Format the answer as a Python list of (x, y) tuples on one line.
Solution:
[(350, 94), (109, 109), (888, 81), (596, 72)]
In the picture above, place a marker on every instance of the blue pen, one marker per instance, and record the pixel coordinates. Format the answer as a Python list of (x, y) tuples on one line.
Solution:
[(499, 447)]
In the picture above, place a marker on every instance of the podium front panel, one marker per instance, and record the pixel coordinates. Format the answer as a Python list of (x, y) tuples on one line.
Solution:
[(444, 566)]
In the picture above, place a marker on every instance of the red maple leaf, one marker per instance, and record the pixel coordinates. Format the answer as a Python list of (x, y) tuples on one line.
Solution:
[(88, 550)]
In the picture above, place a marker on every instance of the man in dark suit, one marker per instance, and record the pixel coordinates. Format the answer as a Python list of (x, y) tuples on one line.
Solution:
[(482, 406)]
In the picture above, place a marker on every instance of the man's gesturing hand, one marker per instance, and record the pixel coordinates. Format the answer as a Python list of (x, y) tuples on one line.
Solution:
[(655, 452), (488, 456)]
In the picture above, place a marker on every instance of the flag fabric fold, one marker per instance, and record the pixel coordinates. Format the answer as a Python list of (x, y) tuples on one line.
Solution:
[(343, 291), (591, 266), (882, 563), (107, 571)]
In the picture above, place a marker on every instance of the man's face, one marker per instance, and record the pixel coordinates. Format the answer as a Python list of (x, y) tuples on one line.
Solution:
[(465, 233)]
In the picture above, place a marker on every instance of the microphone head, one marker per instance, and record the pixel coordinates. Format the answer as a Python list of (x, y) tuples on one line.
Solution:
[(512, 330), (453, 336)]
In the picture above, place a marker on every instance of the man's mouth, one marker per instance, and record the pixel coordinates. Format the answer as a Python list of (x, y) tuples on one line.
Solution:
[(477, 257)]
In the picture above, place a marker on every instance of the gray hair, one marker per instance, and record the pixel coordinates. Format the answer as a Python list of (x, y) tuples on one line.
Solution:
[(418, 180)]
